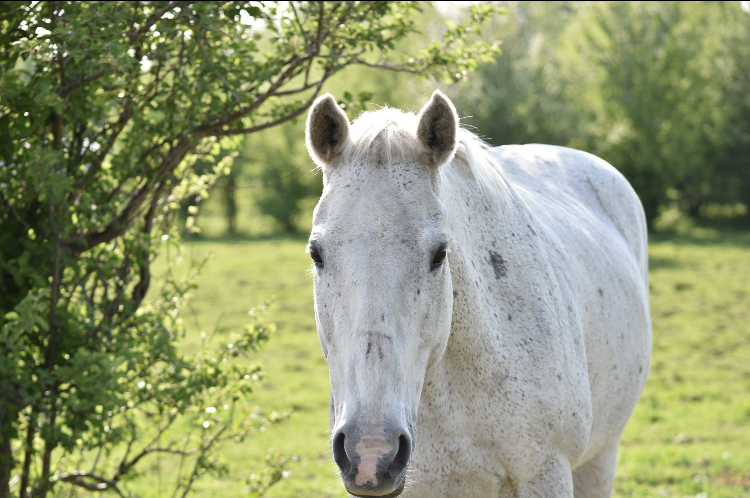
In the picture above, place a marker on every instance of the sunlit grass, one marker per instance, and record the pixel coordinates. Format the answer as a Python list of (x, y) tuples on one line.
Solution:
[(689, 434)]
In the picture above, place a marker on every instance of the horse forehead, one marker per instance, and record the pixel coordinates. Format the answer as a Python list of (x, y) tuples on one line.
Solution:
[(379, 201), (378, 219), (395, 172), (393, 187)]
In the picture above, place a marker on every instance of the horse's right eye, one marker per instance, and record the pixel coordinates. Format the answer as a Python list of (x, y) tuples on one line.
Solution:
[(438, 258), (315, 255)]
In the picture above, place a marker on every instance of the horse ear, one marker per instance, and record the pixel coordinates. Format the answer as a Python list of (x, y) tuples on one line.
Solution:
[(438, 128), (327, 130)]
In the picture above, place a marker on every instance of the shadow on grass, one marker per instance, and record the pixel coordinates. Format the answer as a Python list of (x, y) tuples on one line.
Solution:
[(707, 234), (662, 263), (245, 237)]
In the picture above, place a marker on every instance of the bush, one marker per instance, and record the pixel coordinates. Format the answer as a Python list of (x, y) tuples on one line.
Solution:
[(107, 108)]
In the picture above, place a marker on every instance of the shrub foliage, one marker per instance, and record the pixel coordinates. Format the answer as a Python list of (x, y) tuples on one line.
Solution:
[(105, 109)]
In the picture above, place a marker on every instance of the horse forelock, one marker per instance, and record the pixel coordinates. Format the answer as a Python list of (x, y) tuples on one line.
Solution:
[(388, 134), (382, 136)]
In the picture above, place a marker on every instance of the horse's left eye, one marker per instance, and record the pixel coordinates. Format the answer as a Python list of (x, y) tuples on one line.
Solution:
[(438, 258), (315, 255)]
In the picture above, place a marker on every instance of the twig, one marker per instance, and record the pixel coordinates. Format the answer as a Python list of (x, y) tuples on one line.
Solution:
[(216, 328), (299, 23), (148, 449), (117, 227), (283, 119), (319, 37), (205, 448), (213, 68), (208, 128), (134, 36), (70, 88), (304, 87), (29, 451), (389, 67), (119, 125), (77, 478)]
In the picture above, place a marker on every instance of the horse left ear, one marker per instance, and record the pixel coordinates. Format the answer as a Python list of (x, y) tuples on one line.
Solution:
[(327, 131), (438, 129)]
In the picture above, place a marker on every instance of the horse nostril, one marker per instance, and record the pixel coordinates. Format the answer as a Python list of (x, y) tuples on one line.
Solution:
[(401, 460), (339, 453)]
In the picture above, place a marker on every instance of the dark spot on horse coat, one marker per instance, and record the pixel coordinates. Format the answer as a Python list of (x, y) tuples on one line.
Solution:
[(369, 347), (601, 292), (498, 264)]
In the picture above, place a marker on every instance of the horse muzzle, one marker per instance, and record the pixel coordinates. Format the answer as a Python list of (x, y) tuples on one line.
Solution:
[(372, 462)]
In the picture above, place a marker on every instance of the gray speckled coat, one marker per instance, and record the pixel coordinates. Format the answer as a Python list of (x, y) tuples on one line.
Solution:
[(508, 368)]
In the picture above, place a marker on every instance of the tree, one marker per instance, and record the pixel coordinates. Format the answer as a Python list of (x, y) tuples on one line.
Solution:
[(662, 116), (732, 183), (520, 99), (106, 109), (658, 89), (282, 174)]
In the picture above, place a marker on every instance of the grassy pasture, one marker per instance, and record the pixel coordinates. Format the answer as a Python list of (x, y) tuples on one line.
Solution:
[(689, 435)]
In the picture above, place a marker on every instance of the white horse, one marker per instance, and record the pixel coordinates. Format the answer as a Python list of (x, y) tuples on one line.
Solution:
[(484, 313)]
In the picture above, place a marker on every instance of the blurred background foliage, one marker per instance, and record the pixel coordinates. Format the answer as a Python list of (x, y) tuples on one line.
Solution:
[(661, 90), (658, 89)]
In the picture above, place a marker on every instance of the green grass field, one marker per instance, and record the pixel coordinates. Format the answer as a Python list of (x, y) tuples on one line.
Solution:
[(689, 435)]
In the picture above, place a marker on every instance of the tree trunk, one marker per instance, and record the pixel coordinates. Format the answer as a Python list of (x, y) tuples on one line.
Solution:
[(185, 206), (289, 225), (694, 208), (230, 202), (6, 464)]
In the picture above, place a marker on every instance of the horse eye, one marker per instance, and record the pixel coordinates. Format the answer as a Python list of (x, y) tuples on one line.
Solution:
[(437, 260), (315, 255)]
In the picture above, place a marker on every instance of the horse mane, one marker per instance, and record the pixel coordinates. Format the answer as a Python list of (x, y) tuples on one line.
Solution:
[(386, 134), (486, 170)]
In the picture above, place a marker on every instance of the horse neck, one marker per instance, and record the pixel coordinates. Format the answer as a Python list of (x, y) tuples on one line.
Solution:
[(489, 226)]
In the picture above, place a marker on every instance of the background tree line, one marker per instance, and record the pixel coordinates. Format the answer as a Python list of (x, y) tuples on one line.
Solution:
[(661, 90)]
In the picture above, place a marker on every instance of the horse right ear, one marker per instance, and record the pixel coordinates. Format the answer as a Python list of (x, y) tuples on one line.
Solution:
[(438, 129), (327, 131)]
